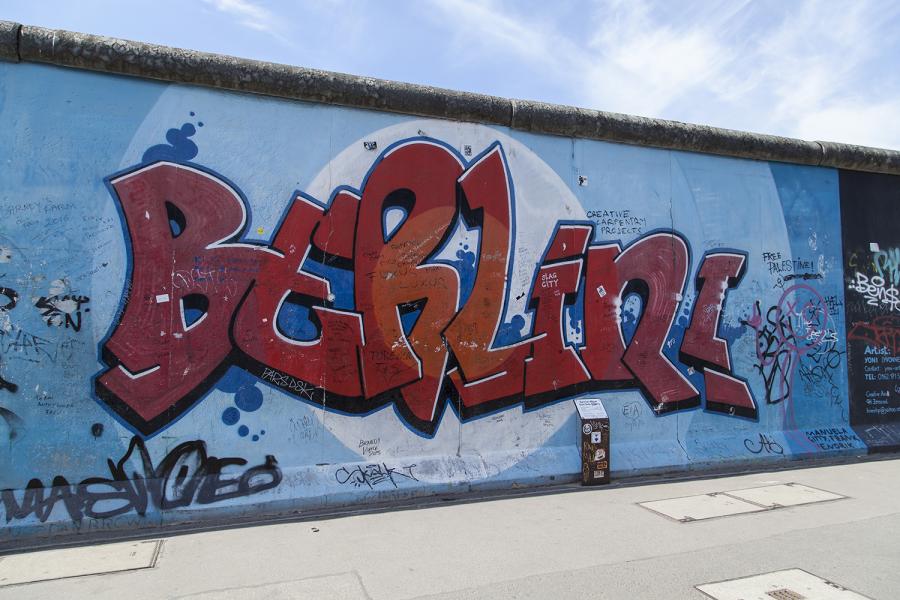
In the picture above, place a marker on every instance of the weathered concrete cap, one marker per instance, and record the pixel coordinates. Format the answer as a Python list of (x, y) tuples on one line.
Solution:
[(860, 158), (187, 66), (629, 129), (111, 55), (9, 41)]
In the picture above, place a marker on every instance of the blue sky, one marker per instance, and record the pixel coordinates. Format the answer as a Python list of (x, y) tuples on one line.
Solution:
[(815, 69)]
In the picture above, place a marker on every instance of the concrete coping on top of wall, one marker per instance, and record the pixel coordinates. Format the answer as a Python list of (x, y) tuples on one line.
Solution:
[(111, 55)]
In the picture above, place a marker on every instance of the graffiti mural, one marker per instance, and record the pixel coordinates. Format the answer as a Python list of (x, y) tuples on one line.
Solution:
[(408, 337), (397, 307)]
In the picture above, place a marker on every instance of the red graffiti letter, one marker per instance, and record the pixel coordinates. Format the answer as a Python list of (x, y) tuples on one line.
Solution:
[(604, 346), (415, 183), (656, 268), (554, 364), (487, 373), (703, 349), (179, 220)]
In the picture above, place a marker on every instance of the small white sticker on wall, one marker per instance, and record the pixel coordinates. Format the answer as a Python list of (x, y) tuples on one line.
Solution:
[(873, 247), (162, 298), (596, 437)]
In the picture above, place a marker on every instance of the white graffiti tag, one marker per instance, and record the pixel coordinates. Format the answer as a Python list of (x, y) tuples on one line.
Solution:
[(875, 291)]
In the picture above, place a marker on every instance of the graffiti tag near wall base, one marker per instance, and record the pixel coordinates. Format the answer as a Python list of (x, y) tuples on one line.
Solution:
[(187, 475)]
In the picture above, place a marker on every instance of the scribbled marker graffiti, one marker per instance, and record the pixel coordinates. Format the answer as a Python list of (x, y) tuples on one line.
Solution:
[(797, 327), (404, 328)]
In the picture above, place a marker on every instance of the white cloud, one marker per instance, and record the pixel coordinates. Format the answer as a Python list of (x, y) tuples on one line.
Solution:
[(253, 16), (819, 69), (247, 13), (857, 121), (642, 65), (480, 25)]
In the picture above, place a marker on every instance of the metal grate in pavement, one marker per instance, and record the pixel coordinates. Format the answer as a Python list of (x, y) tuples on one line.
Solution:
[(785, 594)]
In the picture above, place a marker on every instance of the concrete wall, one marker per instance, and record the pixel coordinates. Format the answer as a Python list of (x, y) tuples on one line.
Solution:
[(216, 305)]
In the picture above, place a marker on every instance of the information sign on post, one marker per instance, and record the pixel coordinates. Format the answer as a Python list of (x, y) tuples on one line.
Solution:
[(594, 440)]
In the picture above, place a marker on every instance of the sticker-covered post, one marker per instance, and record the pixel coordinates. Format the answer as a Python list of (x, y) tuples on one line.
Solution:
[(594, 424)]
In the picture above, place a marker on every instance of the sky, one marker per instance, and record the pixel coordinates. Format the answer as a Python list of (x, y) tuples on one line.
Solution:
[(813, 69)]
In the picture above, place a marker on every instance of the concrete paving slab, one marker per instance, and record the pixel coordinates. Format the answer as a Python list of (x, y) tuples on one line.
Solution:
[(579, 544), (343, 586), (860, 565), (787, 494), (790, 584), (75, 562), (700, 507)]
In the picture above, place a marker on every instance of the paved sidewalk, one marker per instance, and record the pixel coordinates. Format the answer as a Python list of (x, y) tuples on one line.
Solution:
[(584, 543)]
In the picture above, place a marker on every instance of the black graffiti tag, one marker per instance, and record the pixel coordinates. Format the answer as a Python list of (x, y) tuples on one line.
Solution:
[(765, 443), (373, 474), (186, 475), (62, 310), (12, 297)]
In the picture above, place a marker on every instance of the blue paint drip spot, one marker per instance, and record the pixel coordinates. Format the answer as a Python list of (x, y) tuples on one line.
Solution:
[(179, 148), (231, 415), (249, 399), (243, 430), (255, 438)]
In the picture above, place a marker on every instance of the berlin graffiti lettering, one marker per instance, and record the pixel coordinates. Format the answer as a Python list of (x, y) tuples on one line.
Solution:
[(200, 299), (187, 475)]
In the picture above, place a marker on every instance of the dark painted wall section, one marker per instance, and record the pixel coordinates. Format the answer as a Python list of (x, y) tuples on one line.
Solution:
[(870, 207)]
